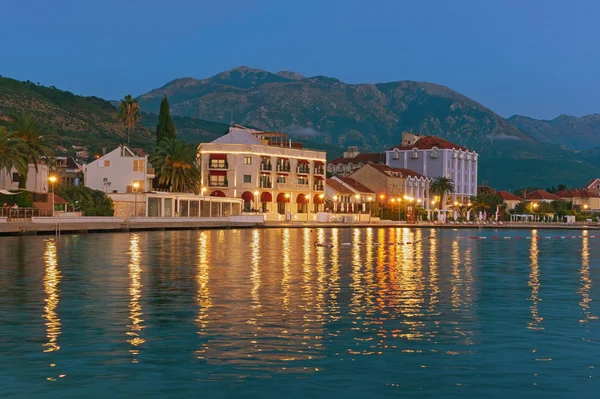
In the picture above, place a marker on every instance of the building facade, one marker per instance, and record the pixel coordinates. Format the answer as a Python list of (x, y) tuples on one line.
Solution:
[(393, 182), (348, 195), (272, 178), (118, 172), (509, 199), (37, 179), (353, 160), (435, 157), (69, 172)]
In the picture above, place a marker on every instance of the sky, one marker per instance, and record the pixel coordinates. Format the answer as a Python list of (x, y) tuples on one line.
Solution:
[(537, 58)]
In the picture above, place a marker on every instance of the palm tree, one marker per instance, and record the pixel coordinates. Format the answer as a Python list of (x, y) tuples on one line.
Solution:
[(12, 152), (129, 113), (173, 161), (480, 202), (36, 149), (442, 186)]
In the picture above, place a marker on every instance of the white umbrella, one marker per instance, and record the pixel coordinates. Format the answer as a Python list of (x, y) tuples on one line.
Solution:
[(342, 207), (480, 215), (485, 214), (455, 215)]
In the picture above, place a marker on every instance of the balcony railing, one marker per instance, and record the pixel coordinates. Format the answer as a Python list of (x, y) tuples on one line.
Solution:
[(303, 169), (318, 187), (265, 185), (284, 168), (319, 171), (267, 167), (218, 167), (218, 184), (150, 170), (292, 186)]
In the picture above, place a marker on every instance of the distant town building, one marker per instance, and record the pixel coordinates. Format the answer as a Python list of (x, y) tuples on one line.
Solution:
[(540, 196), (118, 172), (587, 198), (353, 160), (509, 199), (69, 172), (266, 170), (435, 157)]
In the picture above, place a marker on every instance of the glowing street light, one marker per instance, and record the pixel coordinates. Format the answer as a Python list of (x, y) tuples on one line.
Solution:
[(52, 180), (136, 185)]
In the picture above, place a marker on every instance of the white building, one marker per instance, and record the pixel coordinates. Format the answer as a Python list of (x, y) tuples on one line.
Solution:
[(37, 180), (434, 157), (268, 173), (118, 171)]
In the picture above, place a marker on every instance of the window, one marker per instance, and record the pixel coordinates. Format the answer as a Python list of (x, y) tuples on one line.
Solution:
[(302, 180), (138, 165), (217, 181), (415, 153), (281, 179), (15, 177), (248, 161), (396, 154), (247, 179), (217, 163), (434, 152)]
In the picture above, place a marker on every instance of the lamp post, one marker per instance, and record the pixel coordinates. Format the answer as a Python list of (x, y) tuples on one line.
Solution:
[(52, 181), (335, 198), (381, 197), (534, 205), (369, 199), (203, 190), (321, 196), (357, 197), (256, 198), (287, 199), (306, 197), (136, 185)]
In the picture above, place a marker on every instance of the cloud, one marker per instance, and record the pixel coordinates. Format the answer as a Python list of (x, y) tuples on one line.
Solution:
[(301, 131), (502, 136)]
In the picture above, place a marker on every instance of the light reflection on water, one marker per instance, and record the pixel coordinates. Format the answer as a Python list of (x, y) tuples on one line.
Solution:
[(238, 305)]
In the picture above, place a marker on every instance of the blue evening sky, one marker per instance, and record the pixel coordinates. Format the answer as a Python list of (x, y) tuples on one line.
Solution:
[(533, 57)]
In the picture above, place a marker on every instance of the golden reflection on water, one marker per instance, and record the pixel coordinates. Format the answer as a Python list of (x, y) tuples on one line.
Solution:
[(135, 293), (434, 288), (203, 279), (321, 277), (534, 283), (586, 280), (52, 277), (456, 280), (334, 277), (287, 275), (255, 276), (355, 285)]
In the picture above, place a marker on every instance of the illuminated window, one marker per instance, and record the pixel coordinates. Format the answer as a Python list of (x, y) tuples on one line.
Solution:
[(138, 166), (247, 179), (247, 160)]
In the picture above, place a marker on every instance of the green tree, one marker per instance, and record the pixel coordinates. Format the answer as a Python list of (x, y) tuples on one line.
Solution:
[(442, 186), (90, 202), (36, 149), (165, 127), (129, 113), (174, 163), (12, 152)]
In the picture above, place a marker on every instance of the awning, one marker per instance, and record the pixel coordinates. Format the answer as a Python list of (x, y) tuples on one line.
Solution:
[(218, 172), (265, 172), (58, 200), (282, 198), (319, 163), (318, 177), (6, 192), (247, 196), (218, 156), (304, 161), (301, 199), (318, 199), (217, 193), (266, 197), (282, 173)]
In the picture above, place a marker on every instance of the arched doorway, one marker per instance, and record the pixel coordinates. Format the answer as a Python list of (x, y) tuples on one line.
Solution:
[(302, 203), (265, 199), (282, 200), (318, 200), (217, 193), (248, 198)]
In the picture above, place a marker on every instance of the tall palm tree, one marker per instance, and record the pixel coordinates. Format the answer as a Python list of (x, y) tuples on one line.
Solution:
[(12, 152), (442, 186), (129, 113), (480, 202), (36, 149), (173, 161)]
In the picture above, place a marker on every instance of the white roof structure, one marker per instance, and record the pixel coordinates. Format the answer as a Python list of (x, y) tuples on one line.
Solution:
[(238, 135)]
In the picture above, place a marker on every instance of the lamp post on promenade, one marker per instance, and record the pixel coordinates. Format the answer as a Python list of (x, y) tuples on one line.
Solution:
[(52, 181), (136, 185)]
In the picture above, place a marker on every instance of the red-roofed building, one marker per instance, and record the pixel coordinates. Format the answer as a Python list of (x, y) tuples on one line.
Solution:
[(393, 182), (353, 160), (511, 200), (540, 196), (586, 199), (435, 157)]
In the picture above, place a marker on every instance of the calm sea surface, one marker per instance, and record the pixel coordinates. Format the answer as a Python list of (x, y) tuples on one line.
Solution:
[(263, 313)]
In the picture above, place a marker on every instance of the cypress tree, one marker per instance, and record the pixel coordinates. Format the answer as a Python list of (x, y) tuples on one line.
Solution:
[(165, 127)]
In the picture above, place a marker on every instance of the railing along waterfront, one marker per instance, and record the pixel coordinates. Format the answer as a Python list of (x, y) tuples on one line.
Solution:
[(21, 214)]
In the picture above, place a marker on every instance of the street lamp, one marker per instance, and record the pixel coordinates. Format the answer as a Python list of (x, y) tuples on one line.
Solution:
[(256, 198), (136, 185), (203, 191), (287, 199), (381, 197), (321, 196), (52, 181), (585, 207), (357, 196)]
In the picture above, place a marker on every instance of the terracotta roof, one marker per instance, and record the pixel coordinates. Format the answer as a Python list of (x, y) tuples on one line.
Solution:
[(591, 182), (58, 200), (541, 195), (389, 171), (365, 158), (338, 187), (356, 185), (428, 142), (575, 193), (506, 196)]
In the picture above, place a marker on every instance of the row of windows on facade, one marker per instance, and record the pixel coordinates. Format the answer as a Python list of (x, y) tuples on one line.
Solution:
[(138, 165), (247, 161), (433, 154), (263, 179)]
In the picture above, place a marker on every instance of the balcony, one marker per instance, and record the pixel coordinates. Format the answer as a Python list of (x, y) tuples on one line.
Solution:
[(320, 170), (319, 187), (150, 171), (218, 184), (284, 168), (293, 187), (218, 165), (304, 169), (266, 184), (266, 167)]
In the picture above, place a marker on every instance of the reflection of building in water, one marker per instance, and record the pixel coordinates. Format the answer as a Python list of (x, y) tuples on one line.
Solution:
[(334, 277), (286, 276), (586, 280), (135, 293), (534, 283), (203, 280), (52, 279), (434, 288)]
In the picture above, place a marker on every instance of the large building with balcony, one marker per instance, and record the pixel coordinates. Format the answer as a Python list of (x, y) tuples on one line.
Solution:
[(269, 173), (435, 157)]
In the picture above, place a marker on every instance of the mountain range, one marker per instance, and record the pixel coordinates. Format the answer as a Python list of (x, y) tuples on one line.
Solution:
[(328, 114)]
